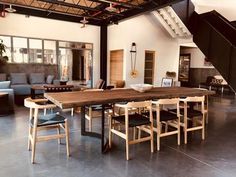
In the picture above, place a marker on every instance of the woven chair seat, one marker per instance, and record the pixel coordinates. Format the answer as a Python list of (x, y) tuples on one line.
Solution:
[(134, 120), (190, 112), (164, 115), (50, 119)]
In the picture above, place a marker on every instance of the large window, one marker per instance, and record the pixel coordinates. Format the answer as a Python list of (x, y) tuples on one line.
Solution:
[(35, 51), (50, 56), (7, 42), (20, 50)]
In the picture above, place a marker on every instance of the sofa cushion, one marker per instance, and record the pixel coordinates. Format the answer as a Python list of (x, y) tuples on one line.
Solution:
[(37, 78), (18, 78), (22, 89), (5, 84), (50, 79), (3, 77)]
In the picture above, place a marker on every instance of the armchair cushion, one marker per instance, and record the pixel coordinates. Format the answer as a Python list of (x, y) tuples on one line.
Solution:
[(37, 78), (5, 84), (18, 78)]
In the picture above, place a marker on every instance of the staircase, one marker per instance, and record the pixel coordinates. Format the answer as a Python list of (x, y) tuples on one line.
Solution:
[(216, 38), (171, 22)]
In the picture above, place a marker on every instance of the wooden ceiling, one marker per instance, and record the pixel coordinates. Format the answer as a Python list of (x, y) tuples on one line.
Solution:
[(96, 12)]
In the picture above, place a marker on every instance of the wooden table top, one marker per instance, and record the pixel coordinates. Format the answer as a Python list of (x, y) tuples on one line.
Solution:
[(80, 98)]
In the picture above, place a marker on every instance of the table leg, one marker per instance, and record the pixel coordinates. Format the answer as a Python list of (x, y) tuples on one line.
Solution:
[(104, 146)]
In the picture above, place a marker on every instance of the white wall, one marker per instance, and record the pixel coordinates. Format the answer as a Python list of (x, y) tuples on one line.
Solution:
[(224, 7), (19, 25), (197, 58), (148, 34)]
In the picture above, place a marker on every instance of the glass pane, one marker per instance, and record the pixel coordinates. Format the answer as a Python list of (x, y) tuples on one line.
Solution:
[(20, 53), (35, 51), (50, 52), (6, 40)]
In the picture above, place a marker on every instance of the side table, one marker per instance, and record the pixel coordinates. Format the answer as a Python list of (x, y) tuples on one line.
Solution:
[(4, 104)]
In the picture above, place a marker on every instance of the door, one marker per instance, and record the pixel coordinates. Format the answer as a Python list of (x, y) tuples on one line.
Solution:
[(149, 67), (116, 65), (184, 68)]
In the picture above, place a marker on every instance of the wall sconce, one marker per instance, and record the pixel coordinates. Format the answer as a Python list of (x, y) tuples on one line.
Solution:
[(133, 54)]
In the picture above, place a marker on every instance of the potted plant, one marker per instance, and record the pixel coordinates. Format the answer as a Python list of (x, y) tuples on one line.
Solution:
[(3, 59)]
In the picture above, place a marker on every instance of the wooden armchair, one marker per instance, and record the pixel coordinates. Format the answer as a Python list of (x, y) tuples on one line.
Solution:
[(39, 122)]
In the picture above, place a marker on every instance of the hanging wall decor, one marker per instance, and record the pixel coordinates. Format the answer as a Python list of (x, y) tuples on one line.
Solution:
[(133, 53)]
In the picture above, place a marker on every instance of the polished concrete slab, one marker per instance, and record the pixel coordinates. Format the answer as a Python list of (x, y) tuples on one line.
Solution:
[(214, 157)]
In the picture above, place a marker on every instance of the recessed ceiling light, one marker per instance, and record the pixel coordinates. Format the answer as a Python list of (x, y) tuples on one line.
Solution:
[(111, 8), (10, 9)]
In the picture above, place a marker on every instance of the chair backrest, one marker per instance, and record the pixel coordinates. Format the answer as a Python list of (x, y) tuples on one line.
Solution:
[(194, 99), (172, 102), (99, 84), (33, 103), (140, 104)]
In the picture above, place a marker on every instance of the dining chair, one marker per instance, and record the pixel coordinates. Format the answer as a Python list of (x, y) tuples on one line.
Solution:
[(94, 111), (133, 120), (39, 122), (164, 117), (206, 103), (196, 116)]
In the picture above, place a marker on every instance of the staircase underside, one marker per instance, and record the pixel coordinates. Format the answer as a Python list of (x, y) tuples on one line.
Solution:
[(216, 38)]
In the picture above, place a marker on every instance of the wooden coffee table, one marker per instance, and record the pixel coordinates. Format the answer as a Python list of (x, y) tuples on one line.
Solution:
[(4, 104)]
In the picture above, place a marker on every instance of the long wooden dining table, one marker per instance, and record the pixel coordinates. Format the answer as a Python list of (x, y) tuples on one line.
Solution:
[(82, 99)]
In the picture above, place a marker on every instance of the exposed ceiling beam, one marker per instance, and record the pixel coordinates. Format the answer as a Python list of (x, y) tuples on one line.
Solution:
[(53, 15), (123, 4), (79, 6), (70, 5)]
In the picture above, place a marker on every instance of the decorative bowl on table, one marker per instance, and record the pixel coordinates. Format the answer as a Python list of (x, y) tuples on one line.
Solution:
[(141, 87)]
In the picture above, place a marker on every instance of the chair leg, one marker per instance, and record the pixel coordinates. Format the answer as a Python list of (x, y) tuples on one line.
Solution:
[(158, 135), (127, 148), (44, 111), (139, 133), (67, 138), (72, 112), (90, 119), (110, 133), (178, 136), (29, 140), (59, 132), (151, 134), (203, 127), (134, 133), (33, 144)]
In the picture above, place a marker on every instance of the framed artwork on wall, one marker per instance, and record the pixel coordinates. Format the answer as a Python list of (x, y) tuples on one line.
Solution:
[(166, 82)]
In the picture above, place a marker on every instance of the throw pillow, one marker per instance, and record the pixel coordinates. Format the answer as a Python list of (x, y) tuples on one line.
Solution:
[(5, 84), (37, 78), (3, 77), (49, 79), (18, 78)]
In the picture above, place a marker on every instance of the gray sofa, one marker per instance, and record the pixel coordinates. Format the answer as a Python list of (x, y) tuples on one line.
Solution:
[(21, 84)]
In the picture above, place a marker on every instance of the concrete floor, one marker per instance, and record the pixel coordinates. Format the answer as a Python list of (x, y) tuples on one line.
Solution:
[(214, 157)]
